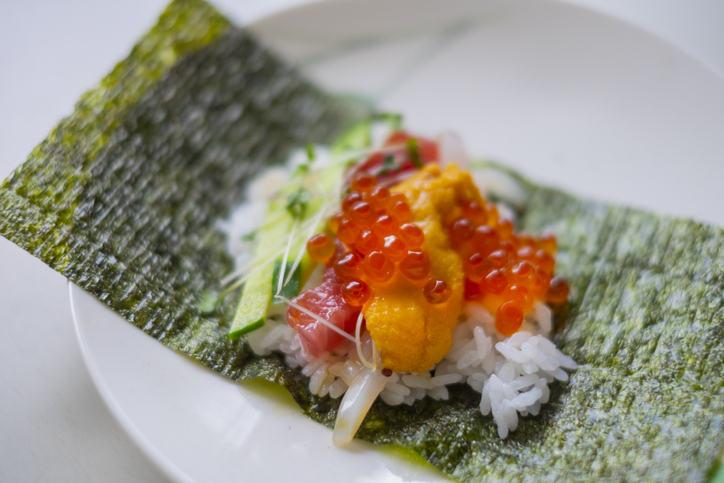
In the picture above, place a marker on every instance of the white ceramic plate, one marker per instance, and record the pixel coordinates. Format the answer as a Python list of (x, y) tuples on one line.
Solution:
[(568, 96)]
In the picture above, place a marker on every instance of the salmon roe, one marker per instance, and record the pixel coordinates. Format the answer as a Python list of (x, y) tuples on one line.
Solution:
[(355, 293), (378, 197), (401, 212), (363, 182), (394, 248), (349, 200), (415, 265), (492, 212), (378, 267), (376, 226), (412, 235), (475, 267), (437, 291), (367, 242), (461, 231), (485, 239), (335, 221), (385, 226), (321, 248), (362, 213), (506, 272), (508, 318), (347, 231), (475, 213), (558, 291), (348, 266)]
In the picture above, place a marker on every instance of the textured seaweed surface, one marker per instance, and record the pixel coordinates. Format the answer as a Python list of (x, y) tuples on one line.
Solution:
[(124, 195), (123, 198)]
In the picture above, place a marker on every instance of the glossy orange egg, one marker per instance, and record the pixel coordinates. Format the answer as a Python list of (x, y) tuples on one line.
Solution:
[(473, 290), (558, 291), (492, 212), (522, 272), (461, 231), (367, 242), (485, 239), (321, 248), (412, 235), (494, 282), (348, 231), (526, 253), (498, 259), (394, 248), (348, 266), (475, 267), (401, 212), (350, 199), (334, 222), (378, 268), (362, 213), (356, 293), (475, 212), (544, 261), (504, 229), (363, 182), (437, 291), (519, 294), (378, 197), (384, 226), (508, 318), (415, 265)]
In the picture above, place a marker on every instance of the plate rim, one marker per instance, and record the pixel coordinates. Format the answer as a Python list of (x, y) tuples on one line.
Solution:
[(149, 450)]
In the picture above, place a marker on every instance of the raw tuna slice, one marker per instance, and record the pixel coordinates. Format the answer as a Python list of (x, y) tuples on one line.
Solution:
[(327, 302), (391, 168)]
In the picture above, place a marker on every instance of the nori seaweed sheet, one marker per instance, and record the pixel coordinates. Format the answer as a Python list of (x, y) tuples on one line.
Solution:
[(124, 197)]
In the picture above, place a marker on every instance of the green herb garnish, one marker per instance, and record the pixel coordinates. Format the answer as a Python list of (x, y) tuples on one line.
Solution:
[(207, 306), (414, 152), (300, 171), (388, 165), (246, 237), (311, 154), (297, 202), (393, 119)]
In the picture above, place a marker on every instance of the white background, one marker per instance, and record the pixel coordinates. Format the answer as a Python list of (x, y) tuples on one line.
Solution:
[(53, 424)]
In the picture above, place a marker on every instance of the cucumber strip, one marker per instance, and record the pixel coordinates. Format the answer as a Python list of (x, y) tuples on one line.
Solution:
[(256, 294), (358, 136)]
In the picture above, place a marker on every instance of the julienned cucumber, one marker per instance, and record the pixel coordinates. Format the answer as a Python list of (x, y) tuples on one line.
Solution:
[(262, 285), (257, 290)]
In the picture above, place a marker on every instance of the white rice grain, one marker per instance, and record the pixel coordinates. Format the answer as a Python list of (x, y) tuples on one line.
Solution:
[(397, 388), (482, 342), (317, 378), (392, 398), (337, 389), (415, 381), (438, 393), (445, 380)]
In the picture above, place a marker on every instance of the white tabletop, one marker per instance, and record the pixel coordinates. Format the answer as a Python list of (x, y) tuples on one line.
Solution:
[(53, 424)]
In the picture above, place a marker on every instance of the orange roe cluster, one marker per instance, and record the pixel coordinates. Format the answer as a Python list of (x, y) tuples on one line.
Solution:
[(376, 226), (506, 272)]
